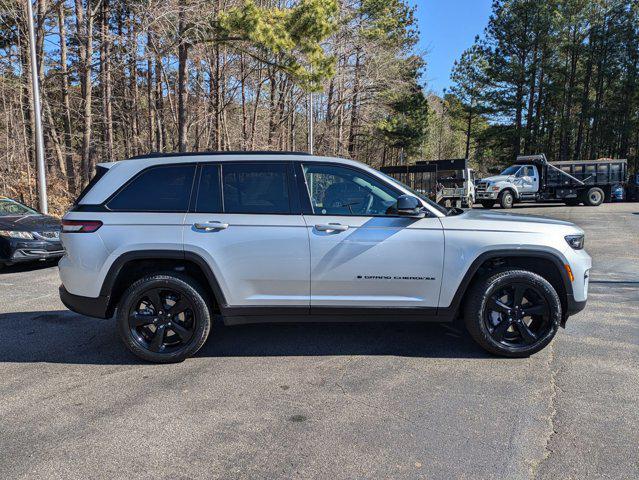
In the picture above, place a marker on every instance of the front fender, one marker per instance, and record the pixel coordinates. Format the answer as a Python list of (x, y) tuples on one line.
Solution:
[(509, 186), (455, 286)]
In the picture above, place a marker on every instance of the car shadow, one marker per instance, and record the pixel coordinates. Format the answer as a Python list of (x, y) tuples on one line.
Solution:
[(65, 337)]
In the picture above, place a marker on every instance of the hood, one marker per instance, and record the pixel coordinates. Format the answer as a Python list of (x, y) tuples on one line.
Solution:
[(29, 223), (497, 178), (480, 220), (512, 217)]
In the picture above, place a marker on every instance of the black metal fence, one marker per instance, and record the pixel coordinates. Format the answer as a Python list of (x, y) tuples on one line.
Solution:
[(421, 178)]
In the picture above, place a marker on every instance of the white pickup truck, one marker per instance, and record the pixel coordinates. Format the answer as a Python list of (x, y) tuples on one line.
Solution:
[(533, 178)]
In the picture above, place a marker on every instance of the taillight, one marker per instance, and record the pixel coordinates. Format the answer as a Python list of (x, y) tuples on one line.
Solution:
[(80, 226)]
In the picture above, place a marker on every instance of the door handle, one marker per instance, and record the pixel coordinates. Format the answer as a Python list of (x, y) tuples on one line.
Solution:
[(210, 226), (331, 227)]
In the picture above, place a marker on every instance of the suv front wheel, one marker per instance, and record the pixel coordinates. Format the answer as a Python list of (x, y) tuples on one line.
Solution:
[(513, 313), (164, 317)]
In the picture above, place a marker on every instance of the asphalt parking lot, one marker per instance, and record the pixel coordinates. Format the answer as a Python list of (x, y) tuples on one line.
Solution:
[(333, 401)]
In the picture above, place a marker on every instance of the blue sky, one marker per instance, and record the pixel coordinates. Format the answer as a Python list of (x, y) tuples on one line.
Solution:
[(447, 28)]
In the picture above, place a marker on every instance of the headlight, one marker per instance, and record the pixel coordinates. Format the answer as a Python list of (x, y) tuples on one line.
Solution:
[(494, 189), (16, 234), (576, 242)]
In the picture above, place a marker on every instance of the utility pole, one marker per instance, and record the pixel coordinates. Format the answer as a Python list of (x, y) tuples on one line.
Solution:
[(39, 139)]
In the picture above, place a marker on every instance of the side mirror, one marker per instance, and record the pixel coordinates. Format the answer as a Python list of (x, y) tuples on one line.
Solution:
[(410, 206)]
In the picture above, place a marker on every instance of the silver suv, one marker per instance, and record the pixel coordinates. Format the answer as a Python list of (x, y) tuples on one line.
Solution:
[(168, 242)]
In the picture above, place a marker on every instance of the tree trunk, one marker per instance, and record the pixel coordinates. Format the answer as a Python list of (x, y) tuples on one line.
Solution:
[(150, 100), (353, 128), (66, 103), (105, 67), (136, 142), (84, 30), (243, 101), (469, 127), (182, 83)]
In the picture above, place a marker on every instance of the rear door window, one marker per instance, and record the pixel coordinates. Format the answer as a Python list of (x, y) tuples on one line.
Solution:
[(256, 188), (158, 189)]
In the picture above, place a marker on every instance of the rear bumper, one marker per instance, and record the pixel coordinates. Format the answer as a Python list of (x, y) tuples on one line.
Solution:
[(91, 307)]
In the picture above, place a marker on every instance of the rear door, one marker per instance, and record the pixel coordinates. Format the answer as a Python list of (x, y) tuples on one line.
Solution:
[(246, 222), (362, 254)]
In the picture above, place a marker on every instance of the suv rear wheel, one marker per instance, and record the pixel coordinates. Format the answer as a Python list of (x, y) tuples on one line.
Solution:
[(164, 317), (513, 313)]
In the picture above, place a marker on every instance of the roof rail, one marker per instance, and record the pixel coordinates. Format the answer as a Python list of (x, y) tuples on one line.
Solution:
[(214, 152)]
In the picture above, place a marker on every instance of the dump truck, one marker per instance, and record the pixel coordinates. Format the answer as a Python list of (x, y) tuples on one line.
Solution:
[(533, 178)]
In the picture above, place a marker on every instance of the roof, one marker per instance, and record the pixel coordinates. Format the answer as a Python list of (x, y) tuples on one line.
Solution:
[(215, 152)]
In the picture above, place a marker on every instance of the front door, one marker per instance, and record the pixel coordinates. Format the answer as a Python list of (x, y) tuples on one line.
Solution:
[(527, 179), (362, 253), (247, 227)]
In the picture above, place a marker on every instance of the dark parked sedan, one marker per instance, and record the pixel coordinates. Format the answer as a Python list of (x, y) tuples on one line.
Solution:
[(26, 234)]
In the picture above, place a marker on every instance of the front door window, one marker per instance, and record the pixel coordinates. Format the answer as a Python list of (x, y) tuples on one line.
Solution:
[(337, 190)]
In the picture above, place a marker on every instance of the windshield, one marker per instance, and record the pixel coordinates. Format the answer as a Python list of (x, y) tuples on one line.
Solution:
[(511, 170), (11, 207), (437, 207)]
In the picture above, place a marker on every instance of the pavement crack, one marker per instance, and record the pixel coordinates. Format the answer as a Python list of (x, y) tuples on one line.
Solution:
[(551, 415)]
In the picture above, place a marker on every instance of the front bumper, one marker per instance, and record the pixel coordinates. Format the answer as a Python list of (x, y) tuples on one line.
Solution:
[(92, 307), (486, 195), (574, 306), (17, 250)]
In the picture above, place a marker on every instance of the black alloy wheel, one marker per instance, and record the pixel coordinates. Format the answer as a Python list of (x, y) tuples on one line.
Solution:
[(517, 315), (512, 313), (164, 317), (162, 320)]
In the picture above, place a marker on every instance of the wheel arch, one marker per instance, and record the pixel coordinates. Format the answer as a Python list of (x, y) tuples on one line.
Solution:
[(131, 266), (512, 189), (547, 264)]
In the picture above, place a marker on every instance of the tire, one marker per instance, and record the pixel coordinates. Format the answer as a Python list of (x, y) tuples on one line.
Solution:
[(487, 205), (512, 334), (506, 199), (144, 312), (594, 197)]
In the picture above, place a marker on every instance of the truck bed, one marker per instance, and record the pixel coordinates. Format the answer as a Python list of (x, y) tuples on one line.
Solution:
[(590, 172)]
